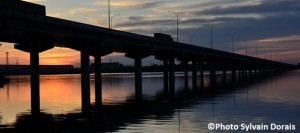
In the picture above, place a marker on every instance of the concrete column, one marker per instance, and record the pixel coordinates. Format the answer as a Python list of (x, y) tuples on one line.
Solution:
[(35, 82), (212, 75), (98, 82), (233, 74), (194, 74), (201, 74), (85, 81), (240, 74), (172, 76), (186, 74), (224, 77), (166, 76), (138, 77), (250, 73)]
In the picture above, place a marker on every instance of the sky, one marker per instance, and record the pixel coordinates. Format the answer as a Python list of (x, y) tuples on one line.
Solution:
[(270, 28)]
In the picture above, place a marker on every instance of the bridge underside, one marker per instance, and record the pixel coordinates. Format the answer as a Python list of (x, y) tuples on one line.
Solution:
[(27, 26)]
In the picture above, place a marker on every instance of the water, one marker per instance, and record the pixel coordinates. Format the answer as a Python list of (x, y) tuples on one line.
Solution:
[(272, 99)]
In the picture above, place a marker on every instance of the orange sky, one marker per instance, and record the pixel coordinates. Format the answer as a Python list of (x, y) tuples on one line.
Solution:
[(271, 32)]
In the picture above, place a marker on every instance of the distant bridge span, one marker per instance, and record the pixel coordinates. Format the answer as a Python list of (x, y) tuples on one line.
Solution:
[(27, 25)]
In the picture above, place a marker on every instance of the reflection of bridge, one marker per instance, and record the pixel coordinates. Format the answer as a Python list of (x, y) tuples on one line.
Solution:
[(112, 118), (27, 25)]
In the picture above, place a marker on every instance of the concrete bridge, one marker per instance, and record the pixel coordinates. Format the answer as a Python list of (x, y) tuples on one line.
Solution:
[(27, 25)]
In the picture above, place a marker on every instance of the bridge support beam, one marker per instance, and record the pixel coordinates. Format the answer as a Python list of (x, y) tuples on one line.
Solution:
[(98, 77), (166, 76), (194, 73), (250, 73), (224, 77), (186, 74), (201, 65), (212, 75), (85, 81), (233, 74), (34, 49), (240, 74), (172, 76), (138, 78), (98, 82), (35, 82), (138, 73)]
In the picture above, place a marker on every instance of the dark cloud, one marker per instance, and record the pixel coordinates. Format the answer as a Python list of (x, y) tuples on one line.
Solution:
[(274, 6)]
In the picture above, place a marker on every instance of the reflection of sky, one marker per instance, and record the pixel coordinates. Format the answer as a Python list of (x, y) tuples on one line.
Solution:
[(272, 26), (266, 101)]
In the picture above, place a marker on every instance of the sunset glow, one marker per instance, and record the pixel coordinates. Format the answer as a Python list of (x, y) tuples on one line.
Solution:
[(257, 21)]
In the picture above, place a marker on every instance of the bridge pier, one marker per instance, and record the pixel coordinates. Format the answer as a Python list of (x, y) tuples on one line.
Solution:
[(138, 78), (186, 74), (194, 73), (168, 73), (98, 81), (35, 82), (85, 81), (34, 49), (201, 65), (166, 76), (172, 76), (240, 74), (250, 73), (138, 73), (98, 77), (212, 75), (233, 74), (224, 77)]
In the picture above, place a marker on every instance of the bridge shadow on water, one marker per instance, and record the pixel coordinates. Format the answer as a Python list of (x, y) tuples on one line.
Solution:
[(111, 118)]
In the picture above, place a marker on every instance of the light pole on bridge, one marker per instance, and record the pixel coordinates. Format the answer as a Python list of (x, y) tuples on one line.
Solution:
[(191, 37), (176, 13), (211, 36), (162, 29), (111, 20), (231, 35)]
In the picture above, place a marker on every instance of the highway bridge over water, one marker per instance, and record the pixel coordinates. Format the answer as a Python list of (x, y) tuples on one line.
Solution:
[(27, 25)]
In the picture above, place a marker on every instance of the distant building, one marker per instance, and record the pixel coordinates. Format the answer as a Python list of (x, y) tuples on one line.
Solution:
[(109, 67)]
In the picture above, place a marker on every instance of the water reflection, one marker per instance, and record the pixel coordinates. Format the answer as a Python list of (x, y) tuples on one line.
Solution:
[(189, 107)]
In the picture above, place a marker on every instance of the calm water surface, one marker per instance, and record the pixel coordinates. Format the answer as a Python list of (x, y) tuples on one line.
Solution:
[(272, 99)]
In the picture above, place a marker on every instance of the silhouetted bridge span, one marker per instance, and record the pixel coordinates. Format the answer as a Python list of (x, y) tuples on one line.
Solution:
[(27, 25)]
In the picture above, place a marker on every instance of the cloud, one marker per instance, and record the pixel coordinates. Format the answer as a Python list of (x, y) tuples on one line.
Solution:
[(265, 7), (72, 12), (35, 0), (293, 38), (129, 3)]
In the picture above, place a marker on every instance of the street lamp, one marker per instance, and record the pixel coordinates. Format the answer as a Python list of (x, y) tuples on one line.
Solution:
[(246, 46), (111, 20), (176, 13), (211, 36), (162, 29), (108, 7), (231, 35), (191, 37)]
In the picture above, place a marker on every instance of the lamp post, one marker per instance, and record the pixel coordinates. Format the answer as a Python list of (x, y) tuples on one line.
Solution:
[(211, 36), (191, 37), (108, 7), (111, 20), (231, 35), (162, 29), (246, 42), (176, 13), (246, 48)]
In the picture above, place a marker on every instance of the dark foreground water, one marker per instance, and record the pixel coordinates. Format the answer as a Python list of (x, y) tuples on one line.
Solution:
[(270, 103)]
